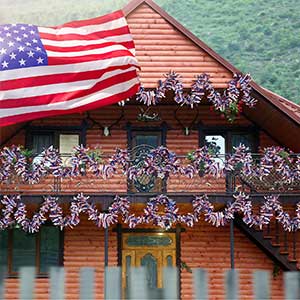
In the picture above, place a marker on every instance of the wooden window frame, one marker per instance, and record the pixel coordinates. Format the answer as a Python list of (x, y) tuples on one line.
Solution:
[(56, 131), (39, 274)]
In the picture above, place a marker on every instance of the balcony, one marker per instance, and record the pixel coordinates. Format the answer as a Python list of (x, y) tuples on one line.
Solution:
[(148, 171)]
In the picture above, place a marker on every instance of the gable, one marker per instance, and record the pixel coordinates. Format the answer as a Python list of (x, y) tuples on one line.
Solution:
[(163, 44), (160, 47)]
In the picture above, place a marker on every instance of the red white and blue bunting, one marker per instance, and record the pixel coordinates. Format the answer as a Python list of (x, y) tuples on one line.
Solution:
[(229, 103), (15, 164), (14, 213)]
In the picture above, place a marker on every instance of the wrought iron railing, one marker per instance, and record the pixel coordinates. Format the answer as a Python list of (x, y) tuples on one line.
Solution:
[(236, 179)]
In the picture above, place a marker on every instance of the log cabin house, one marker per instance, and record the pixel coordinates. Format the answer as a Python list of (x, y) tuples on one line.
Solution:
[(162, 44)]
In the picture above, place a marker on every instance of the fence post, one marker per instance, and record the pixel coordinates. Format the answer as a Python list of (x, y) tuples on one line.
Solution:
[(27, 277), (261, 284), (87, 283), (57, 283), (200, 284), (170, 283), (231, 284), (3, 271), (138, 288), (291, 285), (112, 283)]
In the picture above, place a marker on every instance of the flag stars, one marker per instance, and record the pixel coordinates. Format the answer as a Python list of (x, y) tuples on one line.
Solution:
[(2, 51), (22, 62), (40, 60), (30, 53), (12, 55), (20, 47), (5, 64)]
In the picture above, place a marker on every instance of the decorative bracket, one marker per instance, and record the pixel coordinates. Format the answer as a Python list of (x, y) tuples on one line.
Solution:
[(148, 116), (105, 128)]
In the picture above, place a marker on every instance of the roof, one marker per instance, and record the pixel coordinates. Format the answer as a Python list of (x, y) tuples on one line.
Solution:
[(284, 105), (293, 108)]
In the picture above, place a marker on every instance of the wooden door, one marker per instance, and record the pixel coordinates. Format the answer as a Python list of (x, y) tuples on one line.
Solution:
[(154, 251)]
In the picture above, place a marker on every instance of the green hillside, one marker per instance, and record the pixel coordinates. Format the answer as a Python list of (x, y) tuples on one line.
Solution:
[(258, 36)]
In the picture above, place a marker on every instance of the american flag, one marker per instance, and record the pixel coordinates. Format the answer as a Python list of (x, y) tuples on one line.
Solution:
[(79, 66)]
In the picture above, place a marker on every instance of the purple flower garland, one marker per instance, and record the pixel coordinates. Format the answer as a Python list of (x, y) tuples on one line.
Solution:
[(229, 103), (160, 162), (14, 213)]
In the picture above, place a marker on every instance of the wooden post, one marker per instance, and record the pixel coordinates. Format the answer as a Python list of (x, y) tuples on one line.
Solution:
[(232, 285), (105, 247), (27, 278), (261, 284), (87, 283), (200, 284), (57, 283)]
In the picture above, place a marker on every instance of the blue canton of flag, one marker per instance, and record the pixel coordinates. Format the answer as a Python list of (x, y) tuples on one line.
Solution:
[(21, 47)]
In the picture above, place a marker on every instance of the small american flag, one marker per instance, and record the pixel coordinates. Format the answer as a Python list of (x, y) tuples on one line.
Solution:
[(79, 66)]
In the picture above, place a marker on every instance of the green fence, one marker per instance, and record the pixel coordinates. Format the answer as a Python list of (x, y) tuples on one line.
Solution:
[(138, 287)]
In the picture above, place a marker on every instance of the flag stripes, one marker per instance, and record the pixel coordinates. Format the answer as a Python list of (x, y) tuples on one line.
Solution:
[(90, 64)]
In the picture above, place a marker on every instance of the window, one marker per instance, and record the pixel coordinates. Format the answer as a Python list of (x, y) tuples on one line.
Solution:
[(142, 143), (41, 141), (42, 249), (217, 146), (222, 142), (150, 139), (67, 142), (64, 141), (243, 138)]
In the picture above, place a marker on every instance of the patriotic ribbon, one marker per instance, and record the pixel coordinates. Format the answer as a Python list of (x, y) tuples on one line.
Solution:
[(229, 103), (160, 162), (14, 213)]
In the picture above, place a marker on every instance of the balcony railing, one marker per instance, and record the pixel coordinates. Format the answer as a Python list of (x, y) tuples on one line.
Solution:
[(148, 170)]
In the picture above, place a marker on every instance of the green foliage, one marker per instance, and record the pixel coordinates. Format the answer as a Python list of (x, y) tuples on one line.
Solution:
[(257, 36)]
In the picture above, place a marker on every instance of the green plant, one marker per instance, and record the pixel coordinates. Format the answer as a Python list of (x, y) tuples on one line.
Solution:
[(184, 266)]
